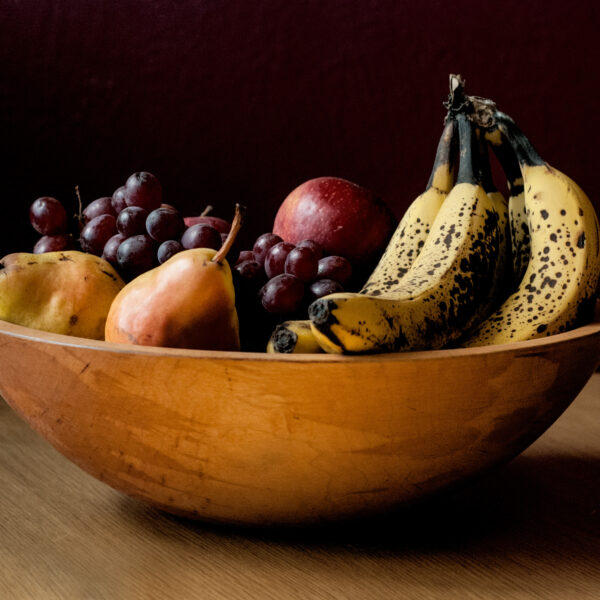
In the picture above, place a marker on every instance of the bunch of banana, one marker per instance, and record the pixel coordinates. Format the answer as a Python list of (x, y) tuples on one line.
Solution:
[(441, 295), (402, 250), (533, 263), (558, 288)]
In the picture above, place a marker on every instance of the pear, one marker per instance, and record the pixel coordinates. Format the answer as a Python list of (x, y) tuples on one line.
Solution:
[(68, 292), (187, 302)]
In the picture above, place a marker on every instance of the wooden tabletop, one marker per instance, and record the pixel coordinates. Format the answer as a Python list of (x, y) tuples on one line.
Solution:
[(529, 530)]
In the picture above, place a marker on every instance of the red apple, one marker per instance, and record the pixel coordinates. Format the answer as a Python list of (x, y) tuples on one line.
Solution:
[(344, 218), (221, 225)]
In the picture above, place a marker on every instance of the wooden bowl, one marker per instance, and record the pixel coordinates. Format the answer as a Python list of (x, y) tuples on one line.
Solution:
[(257, 439)]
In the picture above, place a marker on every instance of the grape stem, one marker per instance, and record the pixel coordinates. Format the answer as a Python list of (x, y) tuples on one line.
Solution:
[(206, 211), (238, 220), (79, 214)]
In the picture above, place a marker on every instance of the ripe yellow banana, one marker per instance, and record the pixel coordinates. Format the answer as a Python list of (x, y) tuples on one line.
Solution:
[(519, 230), (558, 288), (501, 285), (414, 227), (438, 298), (402, 250), (293, 337)]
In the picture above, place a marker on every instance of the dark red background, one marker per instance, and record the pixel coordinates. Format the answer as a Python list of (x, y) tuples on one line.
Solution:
[(231, 101)]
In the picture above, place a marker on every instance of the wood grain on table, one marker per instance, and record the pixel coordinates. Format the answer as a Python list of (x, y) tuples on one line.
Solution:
[(530, 530)]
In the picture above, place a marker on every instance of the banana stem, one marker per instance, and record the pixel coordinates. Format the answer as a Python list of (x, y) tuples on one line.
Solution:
[(524, 150), (445, 156), (457, 101), (485, 170), (468, 170), (508, 161), (485, 115)]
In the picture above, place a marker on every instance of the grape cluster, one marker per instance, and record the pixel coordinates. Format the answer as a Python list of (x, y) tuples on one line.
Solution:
[(132, 229), (290, 276), (277, 280)]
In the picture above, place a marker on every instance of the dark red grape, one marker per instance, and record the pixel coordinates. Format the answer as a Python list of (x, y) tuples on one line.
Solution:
[(337, 268), (100, 206), (164, 224), (275, 258), (96, 233), (54, 243), (136, 255), (201, 236), (168, 249), (110, 248), (324, 287), (314, 246), (282, 294), (249, 269), (48, 216), (302, 263), (263, 244), (118, 199), (132, 221), (144, 190), (244, 256)]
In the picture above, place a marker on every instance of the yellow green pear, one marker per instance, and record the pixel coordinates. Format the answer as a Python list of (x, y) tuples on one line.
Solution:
[(68, 292)]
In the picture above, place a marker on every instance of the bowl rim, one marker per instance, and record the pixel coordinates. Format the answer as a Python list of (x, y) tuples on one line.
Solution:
[(36, 335)]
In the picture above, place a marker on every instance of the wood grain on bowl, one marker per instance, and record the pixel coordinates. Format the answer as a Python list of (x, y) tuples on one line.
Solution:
[(260, 439)]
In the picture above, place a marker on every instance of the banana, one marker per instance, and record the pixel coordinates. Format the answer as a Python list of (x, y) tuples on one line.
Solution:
[(519, 230), (437, 300), (558, 288), (293, 337), (501, 285), (402, 250), (415, 225)]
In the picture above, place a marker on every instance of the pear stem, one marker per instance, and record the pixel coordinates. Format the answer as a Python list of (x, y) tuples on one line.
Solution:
[(238, 220)]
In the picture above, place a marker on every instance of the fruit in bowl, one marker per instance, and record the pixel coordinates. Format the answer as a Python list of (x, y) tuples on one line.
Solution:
[(66, 292), (344, 218), (201, 314)]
